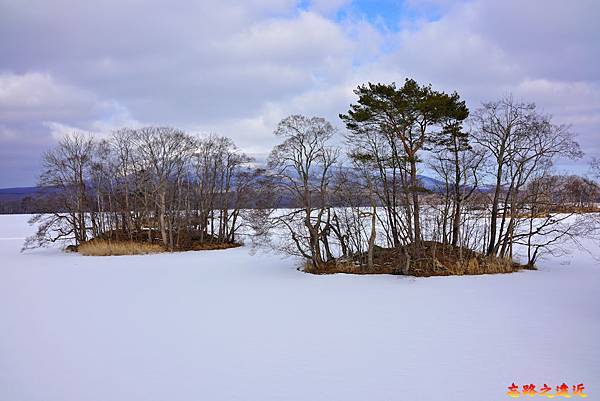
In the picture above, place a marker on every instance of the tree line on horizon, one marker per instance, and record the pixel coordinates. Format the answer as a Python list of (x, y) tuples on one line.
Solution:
[(347, 202)]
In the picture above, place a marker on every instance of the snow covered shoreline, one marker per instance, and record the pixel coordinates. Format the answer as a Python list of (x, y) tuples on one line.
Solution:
[(227, 325)]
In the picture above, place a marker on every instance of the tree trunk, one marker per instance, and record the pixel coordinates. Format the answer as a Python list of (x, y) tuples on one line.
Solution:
[(415, 199), (494, 213), (372, 238), (162, 222)]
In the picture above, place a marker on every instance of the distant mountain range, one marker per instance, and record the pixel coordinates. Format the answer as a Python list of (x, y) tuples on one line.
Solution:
[(13, 194), (431, 184), (19, 193), (24, 199), (435, 185)]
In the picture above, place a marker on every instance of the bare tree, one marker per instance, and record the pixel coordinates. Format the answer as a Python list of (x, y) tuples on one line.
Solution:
[(302, 165), (165, 153), (66, 168), (521, 144), (459, 170)]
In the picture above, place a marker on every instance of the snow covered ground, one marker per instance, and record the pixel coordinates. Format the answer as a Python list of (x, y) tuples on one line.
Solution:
[(227, 325)]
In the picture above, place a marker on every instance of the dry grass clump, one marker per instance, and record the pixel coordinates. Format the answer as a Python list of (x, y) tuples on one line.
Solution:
[(350, 267), (472, 266), (428, 259), (209, 246), (102, 247), (115, 248)]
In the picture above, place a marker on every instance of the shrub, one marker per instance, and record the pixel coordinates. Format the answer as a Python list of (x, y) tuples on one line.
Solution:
[(428, 259)]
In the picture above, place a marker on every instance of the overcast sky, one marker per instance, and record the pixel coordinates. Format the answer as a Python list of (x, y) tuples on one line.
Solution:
[(236, 68)]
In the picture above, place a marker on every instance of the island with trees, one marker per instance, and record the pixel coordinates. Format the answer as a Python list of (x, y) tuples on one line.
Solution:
[(352, 200)]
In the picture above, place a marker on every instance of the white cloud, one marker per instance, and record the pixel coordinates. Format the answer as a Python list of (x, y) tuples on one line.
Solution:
[(236, 68), (37, 95)]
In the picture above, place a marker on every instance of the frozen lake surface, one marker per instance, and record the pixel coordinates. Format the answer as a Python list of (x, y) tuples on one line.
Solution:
[(228, 325)]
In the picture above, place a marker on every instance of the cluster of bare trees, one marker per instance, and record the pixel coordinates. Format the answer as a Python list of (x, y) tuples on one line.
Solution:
[(494, 187), (154, 184)]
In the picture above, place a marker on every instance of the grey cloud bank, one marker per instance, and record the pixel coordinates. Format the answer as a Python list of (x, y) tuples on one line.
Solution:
[(237, 68)]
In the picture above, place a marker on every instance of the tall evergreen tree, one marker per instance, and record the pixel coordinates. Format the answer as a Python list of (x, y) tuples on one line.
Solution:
[(414, 115)]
